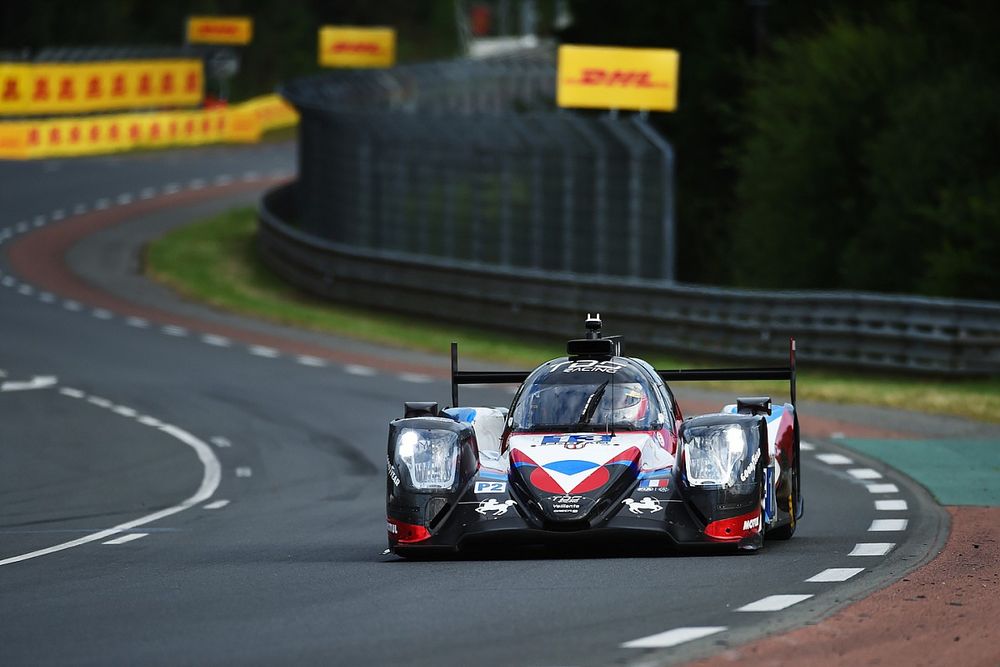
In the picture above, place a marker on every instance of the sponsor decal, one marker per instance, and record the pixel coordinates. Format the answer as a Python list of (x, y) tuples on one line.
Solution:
[(393, 529), (750, 524), (574, 441), (566, 504), (491, 487), (350, 46), (493, 508), (617, 78), (592, 366), (647, 504), (219, 29), (654, 484), (745, 475), (393, 475)]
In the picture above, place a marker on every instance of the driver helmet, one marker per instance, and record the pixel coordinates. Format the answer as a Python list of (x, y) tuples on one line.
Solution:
[(626, 403)]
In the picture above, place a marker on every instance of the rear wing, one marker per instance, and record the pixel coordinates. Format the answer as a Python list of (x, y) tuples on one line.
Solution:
[(517, 377)]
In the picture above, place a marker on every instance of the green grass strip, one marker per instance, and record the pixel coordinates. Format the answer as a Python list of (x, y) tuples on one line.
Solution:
[(214, 261)]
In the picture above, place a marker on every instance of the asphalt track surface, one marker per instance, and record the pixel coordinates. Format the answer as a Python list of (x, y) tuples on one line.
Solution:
[(261, 468)]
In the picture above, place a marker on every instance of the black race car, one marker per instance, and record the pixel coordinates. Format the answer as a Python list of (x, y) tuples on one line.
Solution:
[(593, 444)]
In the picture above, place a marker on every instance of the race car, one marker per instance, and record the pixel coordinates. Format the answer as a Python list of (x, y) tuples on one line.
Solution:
[(593, 444)]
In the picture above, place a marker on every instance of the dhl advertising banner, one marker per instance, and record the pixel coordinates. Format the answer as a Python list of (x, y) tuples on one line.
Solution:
[(28, 89), (617, 78), (234, 30), (346, 46), (26, 139)]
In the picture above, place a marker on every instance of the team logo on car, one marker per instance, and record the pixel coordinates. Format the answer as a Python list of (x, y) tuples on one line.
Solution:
[(647, 504), (493, 508)]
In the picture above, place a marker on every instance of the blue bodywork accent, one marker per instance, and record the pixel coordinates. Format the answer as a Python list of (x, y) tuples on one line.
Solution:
[(571, 467), (489, 474)]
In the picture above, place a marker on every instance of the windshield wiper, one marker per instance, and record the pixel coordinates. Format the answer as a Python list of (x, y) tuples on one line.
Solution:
[(591, 406)]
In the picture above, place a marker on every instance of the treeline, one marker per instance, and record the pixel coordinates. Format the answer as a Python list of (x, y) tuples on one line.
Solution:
[(841, 145)]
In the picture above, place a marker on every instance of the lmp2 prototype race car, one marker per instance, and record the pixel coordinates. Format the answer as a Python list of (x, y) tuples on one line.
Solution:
[(593, 445)]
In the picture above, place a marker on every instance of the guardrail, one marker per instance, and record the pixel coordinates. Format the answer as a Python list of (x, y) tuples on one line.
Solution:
[(844, 329)]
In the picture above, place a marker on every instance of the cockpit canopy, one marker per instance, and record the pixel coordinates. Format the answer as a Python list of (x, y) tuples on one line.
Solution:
[(586, 395)]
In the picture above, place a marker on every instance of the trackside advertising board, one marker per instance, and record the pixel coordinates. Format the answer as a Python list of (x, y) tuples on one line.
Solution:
[(234, 30), (348, 46), (67, 88), (617, 78)]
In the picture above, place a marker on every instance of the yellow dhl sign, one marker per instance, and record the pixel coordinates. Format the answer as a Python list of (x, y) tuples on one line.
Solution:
[(219, 30), (92, 135), (617, 78), (344, 46), (42, 88)]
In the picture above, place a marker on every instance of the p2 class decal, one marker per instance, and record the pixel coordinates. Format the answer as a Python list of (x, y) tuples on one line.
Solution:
[(491, 487), (647, 504), (491, 507)]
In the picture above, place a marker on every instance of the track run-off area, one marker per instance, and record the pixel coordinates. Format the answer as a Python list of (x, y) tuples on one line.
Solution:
[(179, 484)]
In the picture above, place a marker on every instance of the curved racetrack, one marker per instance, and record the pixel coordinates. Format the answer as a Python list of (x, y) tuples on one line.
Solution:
[(179, 485)]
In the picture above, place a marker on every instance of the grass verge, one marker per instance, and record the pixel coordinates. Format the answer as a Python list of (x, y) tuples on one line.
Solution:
[(214, 261)]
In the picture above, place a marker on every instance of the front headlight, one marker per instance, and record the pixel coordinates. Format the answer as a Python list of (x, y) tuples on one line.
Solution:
[(430, 457), (713, 455)]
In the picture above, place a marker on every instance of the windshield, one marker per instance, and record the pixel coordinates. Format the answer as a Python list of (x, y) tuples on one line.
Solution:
[(584, 396)]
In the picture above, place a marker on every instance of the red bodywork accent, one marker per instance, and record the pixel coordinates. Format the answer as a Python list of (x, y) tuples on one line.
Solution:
[(735, 528), (406, 533)]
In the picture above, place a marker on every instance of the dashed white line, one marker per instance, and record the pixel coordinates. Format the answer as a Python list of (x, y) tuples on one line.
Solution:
[(147, 193), (128, 537), (673, 637), (124, 198), (37, 382), (72, 393), (137, 322), (102, 314), (250, 176), (887, 525), (835, 574), (244, 471), (216, 505), (864, 473), (26, 290), (220, 441), (22, 227), (99, 402), (146, 420), (72, 305), (806, 446), (890, 505), (774, 603), (307, 360), (8, 281), (79, 209), (223, 179), (102, 203), (171, 188), (39, 220), (47, 297), (57, 215), (196, 183), (173, 330), (872, 548), (217, 341), (263, 351), (883, 488), (415, 377), (363, 371), (124, 411), (835, 459)]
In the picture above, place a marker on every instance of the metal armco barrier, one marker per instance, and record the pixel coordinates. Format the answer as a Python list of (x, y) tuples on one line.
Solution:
[(932, 336)]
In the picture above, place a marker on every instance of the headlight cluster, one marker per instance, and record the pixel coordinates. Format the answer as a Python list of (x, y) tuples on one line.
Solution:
[(718, 456), (430, 457)]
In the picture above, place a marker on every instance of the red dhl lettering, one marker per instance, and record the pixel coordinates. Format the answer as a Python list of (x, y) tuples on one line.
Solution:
[(54, 135), (167, 83), (173, 128), (118, 85), (145, 84), (10, 92), (370, 48), (95, 133), (34, 136), (41, 89), (216, 29), (74, 134), (133, 132), (191, 82), (66, 89), (94, 87), (154, 131), (598, 76), (113, 132)]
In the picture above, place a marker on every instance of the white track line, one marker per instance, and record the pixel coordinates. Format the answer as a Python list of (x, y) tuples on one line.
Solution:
[(217, 341), (263, 351), (673, 637), (890, 505), (124, 198), (835, 574), (872, 548), (216, 505), (72, 393), (137, 322), (807, 446), (883, 488), (209, 483), (124, 411), (363, 371), (174, 330), (887, 525), (37, 382), (126, 538), (417, 378), (244, 471), (102, 314), (774, 603), (835, 459), (307, 360), (219, 441), (99, 402), (864, 473)]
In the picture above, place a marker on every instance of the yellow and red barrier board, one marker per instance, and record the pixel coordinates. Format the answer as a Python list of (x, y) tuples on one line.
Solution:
[(66, 88), (617, 78), (348, 46), (234, 30), (90, 135)]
